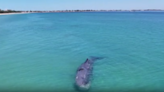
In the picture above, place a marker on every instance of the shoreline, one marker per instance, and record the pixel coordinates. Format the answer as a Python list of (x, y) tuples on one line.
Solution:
[(72, 12), (12, 13)]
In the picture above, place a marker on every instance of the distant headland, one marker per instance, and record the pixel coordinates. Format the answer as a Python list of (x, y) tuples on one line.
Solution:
[(8, 11)]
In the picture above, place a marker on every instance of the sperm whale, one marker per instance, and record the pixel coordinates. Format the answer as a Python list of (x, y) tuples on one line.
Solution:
[(83, 73)]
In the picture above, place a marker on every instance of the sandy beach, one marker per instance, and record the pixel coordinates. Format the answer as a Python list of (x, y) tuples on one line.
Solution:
[(12, 13)]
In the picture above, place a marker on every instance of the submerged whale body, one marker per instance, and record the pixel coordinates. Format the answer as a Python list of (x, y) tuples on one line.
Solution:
[(83, 73)]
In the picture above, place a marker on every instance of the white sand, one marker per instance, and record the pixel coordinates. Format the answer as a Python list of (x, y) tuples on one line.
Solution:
[(11, 13)]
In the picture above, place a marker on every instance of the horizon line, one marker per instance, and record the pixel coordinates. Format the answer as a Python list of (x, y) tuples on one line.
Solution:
[(83, 9)]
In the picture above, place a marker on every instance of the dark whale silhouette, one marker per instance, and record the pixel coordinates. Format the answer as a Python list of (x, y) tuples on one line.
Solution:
[(83, 73)]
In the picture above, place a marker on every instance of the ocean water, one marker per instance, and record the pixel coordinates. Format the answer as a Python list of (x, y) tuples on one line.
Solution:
[(41, 51)]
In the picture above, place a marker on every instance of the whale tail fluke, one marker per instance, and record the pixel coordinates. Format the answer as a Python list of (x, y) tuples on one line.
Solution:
[(93, 58), (96, 58)]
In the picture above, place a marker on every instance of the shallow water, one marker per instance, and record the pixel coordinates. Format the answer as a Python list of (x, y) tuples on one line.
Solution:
[(41, 51)]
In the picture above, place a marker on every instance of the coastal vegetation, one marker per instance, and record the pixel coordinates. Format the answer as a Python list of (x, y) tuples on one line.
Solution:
[(9, 11), (39, 11)]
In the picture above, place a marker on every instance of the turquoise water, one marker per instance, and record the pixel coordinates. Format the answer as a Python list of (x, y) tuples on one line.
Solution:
[(41, 51)]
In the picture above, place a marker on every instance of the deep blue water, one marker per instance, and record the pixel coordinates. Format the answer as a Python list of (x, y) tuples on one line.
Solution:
[(41, 51)]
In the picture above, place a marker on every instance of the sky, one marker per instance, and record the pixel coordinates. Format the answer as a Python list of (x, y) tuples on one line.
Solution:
[(80, 4)]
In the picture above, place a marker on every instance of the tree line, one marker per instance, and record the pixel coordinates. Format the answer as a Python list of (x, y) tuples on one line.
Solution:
[(8, 11)]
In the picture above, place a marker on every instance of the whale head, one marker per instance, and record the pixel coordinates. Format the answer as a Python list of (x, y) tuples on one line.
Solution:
[(82, 80)]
